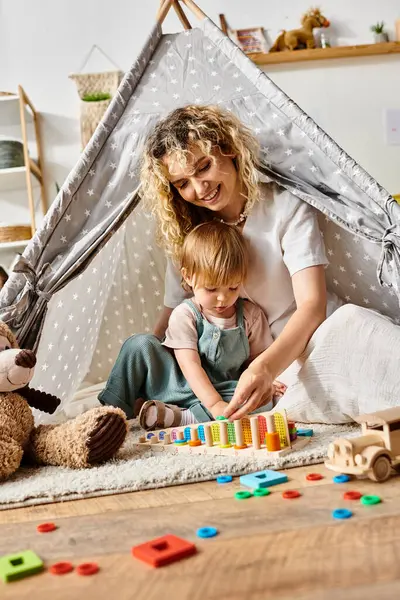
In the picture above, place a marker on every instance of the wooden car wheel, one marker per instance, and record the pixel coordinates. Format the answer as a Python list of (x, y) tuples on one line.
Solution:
[(381, 469)]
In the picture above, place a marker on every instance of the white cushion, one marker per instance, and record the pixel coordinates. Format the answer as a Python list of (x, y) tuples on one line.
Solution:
[(351, 367)]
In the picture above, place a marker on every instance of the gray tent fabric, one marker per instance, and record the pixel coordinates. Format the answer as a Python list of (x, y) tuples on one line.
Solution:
[(93, 275)]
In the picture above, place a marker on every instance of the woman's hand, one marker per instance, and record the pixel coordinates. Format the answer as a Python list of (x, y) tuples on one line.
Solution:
[(162, 323), (255, 388)]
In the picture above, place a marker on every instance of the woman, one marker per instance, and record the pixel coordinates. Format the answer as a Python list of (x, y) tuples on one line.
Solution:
[(200, 163)]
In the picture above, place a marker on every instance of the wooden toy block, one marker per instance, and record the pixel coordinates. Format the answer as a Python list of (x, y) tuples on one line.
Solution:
[(164, 550), (17, 566), (305, 432), (263, 479), (208, 438)]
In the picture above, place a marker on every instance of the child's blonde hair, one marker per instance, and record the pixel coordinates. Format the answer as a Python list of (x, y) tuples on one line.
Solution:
[(214, 254), (206, 127)]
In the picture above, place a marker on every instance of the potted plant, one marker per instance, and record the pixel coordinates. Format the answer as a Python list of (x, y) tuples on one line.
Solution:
[(380, 34)]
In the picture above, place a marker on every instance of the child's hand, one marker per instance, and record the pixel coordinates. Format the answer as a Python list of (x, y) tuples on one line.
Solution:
[(218, 409)]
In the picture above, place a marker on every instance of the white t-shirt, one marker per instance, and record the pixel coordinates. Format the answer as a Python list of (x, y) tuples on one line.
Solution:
[(284, 237)]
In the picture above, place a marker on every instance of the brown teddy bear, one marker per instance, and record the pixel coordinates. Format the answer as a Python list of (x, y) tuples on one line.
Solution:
[(89, 439)]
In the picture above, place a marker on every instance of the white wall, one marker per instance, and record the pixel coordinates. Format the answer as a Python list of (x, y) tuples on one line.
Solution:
[(42, 42)]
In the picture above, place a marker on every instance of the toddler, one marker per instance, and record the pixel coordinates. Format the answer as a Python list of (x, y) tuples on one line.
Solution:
[(210, 339)]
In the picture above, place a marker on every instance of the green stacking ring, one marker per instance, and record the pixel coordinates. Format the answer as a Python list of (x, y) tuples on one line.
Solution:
[(368, 500), (261, 492), (243, 495)]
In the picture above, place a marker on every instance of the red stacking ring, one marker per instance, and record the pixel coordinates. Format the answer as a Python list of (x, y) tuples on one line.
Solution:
[(46, 527), (352, 495), (314, 476), (290, 494), (87, 569), (61, 568)]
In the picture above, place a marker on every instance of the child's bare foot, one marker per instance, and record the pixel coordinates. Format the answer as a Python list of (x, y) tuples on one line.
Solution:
[(158, 415), (280, 389)]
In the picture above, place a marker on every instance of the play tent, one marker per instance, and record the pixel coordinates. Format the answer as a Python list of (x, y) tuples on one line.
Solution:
[(93, 275)]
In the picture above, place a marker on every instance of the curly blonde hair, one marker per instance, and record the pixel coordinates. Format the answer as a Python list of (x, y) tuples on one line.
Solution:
[(207, 127)]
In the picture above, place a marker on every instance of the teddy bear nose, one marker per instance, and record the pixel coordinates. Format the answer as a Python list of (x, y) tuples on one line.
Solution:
[(25, 358)]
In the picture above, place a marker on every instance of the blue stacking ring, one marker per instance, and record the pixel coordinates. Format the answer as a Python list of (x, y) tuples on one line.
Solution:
[(342, 513), (341, 478), (150, 435), (224, 478), (206, 532)]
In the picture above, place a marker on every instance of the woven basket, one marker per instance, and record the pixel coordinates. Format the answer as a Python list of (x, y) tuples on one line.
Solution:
[(11, 154), (92, 112), (15, 233)]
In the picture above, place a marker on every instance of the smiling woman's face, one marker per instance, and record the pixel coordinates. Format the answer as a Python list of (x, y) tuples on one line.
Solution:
[(210, 182)]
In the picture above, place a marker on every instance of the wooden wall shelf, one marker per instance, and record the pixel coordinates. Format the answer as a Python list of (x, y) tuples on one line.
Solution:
[(325, 53)]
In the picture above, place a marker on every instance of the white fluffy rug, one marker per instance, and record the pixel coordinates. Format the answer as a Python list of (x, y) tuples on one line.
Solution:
[(136, 469)]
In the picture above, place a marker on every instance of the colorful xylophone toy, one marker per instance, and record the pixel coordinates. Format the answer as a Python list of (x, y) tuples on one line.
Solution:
[(264, 432)]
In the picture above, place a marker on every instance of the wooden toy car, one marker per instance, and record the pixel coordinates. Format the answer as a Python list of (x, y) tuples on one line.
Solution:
[(373, 453)]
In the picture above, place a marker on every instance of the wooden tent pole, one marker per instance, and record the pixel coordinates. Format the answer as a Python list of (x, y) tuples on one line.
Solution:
[(166, 5), (195, 9), (182, 17), (224, 25), (163, 11)]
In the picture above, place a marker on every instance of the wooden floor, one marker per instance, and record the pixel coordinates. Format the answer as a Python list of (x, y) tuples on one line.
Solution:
[(267, 547)]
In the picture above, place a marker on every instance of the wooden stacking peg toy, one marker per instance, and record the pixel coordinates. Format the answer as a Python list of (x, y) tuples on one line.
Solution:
[(208, 435), (239, 443), (194, 438), (180, 439), (167, 439), (272, 440), (255, 433), (223, 435), (251, 436)]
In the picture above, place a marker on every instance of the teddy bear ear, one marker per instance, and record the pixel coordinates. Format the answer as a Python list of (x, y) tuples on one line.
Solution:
[(40, 400), (7, 333)]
